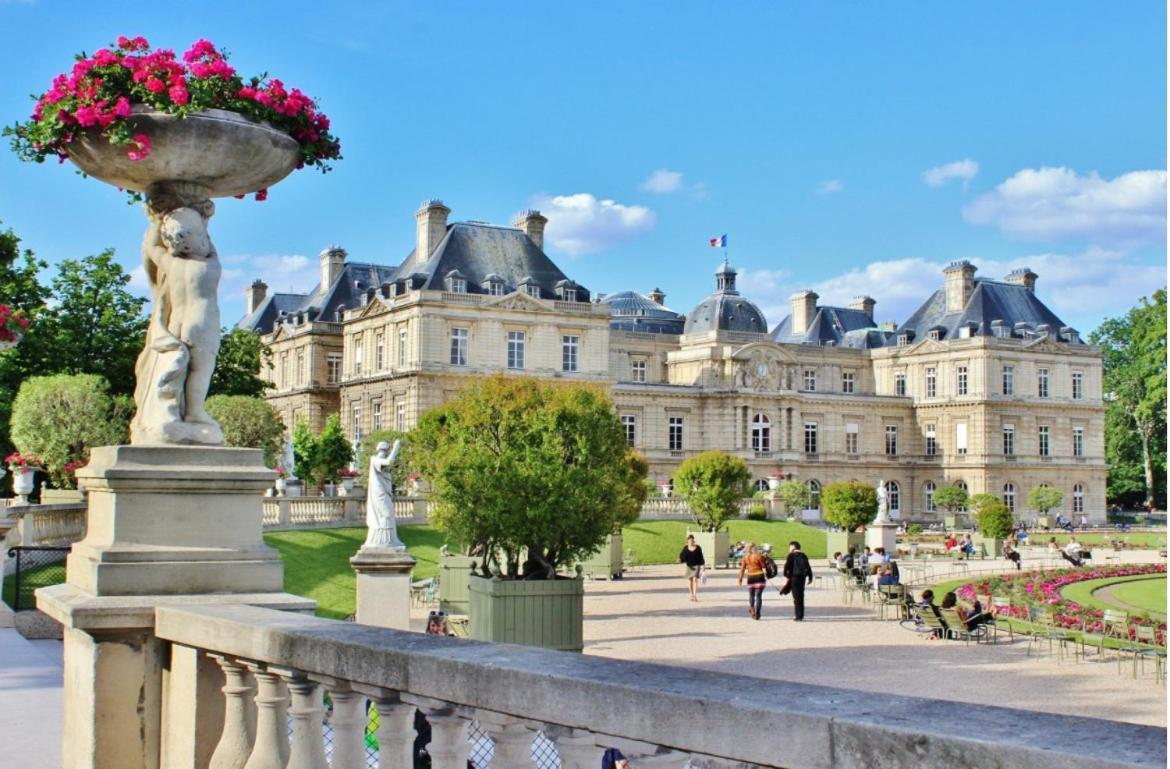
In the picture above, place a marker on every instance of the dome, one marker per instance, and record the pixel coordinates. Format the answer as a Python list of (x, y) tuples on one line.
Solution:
[(631, 311), (725, 310)]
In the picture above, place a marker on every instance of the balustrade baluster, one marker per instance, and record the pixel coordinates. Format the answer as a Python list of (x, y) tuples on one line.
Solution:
[(235, 742), (645, 755), (577, 748), (349, 724), (270, 748), (307, 744), (512, 739), (448, 747), (396, 732)]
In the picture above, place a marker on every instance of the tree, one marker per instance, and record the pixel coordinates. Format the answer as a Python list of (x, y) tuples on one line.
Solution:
[(242, 356), (712, 483), (951, 498), (794, 496), (849, 504), (249, 422), (305, 453), (634, 491), (1044, 498), (60, 418), (1133, 349), (995, 521), (521, 465), (334, 451), (977, 502)]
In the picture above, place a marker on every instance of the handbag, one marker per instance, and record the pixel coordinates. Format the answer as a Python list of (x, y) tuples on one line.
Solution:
[(702, 575), (787, 587)]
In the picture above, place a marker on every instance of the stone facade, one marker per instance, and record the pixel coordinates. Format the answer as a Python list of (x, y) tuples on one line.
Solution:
[(826, 396)]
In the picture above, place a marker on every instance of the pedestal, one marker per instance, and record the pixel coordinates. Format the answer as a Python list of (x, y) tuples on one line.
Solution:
[(383, 586), (883, 534)]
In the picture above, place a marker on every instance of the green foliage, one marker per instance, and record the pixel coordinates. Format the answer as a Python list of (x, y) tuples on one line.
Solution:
[(1134, 351), (995, 521), (242, 355), (712, 483), (249, 422), (334, 451), (403, 465), (849, 504), (517, 464), (305, 453), (794, 496), (951, 498), (1044, 498), (914, 529), (977, 502), (757, 513), (60, 418), (633, 491)]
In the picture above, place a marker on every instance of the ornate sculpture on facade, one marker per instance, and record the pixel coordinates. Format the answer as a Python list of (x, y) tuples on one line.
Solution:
[(383, 531)]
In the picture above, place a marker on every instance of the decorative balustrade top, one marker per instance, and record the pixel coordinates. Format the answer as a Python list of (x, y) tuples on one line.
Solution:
[(49, 524), (658, 715)]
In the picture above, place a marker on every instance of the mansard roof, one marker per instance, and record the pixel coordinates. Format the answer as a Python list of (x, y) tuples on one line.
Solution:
[(991, 301), (631, 311), (836, 326), (320, 303)]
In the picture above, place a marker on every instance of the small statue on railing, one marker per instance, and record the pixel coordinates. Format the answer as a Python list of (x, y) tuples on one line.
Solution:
[(383, 530)]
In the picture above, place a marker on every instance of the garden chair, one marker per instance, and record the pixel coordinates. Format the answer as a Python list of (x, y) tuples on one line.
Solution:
[(1092, 637), (854, 584), (957, 628), (1001, 608), (1059, 637), (423, 592), (933, 621), (1145, 646), (891, 596), (629, 560)]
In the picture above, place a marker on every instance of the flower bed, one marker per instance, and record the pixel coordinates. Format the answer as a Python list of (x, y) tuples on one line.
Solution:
[(1030, 589)]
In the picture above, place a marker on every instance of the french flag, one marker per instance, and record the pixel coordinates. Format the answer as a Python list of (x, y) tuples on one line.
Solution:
[(719, 242)]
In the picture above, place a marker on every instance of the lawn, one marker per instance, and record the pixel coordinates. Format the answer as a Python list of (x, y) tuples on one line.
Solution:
[(1143, 590), (1143, 539), (660, 541)]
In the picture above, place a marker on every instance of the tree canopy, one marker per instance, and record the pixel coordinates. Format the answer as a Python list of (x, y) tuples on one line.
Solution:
[(794, 496), (249, 422), (242, 358), (318, 458), (995, 521), (951, 498), (712, 483), (1044, 498), (849, 504)]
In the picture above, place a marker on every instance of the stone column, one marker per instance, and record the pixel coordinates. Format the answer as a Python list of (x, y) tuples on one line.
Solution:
[(383, 586)]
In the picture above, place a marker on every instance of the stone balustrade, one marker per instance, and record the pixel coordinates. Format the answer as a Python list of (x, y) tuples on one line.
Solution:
[(245, 685), (55, 524), (281, 513)]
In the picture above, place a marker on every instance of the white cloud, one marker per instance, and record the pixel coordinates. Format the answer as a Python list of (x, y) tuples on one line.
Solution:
[(284, 273), (663, 181), (582, 224), (1058, 204), (960, 169), (829, 186)]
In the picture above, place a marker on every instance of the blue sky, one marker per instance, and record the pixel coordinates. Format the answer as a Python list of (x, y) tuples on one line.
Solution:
[(848, 147)]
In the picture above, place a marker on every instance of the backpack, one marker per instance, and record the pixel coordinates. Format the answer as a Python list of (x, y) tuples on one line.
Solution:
[(770, 570)]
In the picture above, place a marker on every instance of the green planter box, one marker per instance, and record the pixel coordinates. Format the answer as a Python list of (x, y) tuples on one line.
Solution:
[(60, 496), (606, 563), (454, 571), (1044, 522), (992, 547), (715, 545), (841, 541), (546, 613)]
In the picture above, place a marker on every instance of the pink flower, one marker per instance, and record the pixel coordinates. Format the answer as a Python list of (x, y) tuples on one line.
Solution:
[(262, 194), (154, 85), (86, 116), (122, 107), (178, 94), (141, 147)]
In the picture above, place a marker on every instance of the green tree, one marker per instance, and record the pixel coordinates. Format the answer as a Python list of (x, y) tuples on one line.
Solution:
[(633, 491), (1044, 498), (794, 496), (712, 483), (951, 498), (242, 358), (520, 465), (976, 502), (61, 417), (403, 465), (849, 504), (305, 453), (995, 521), (334, 451), (249, 422), (1133, 348)]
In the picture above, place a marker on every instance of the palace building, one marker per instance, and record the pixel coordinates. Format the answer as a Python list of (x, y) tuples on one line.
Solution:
[(982, 386)]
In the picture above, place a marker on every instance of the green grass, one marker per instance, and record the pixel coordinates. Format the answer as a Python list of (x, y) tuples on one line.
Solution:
[(1150, 594), (1143, 539), (1145, 590), (660, 541), (41, 576)]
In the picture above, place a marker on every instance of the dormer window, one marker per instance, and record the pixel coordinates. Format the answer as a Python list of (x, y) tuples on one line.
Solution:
[(935, 335), (1000, 329), (532, 290), (903, 340), (493, 284), (456, 282), (569, 295), (566, 290)]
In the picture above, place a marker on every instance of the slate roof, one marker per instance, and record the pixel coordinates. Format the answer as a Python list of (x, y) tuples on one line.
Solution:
[(631, 311), (991, 301), (838, 326), (320, 304), (725, 310)]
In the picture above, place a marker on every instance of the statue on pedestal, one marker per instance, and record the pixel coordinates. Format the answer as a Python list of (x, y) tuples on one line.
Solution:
[(383, 530), (883, 515)]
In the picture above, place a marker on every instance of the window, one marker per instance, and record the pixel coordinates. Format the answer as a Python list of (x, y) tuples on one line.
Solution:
[(333, 367), (850, 437), (532, 290), (891, 440), (1044, 441), (570, 346), (814, 495), (400, 416), (1078, 385), (300, 367), (810, 437), (1009, 380), (402, 347), (458, 347), (928, 491), (379, 352), (356, 423), (675, 433), (961, 438), (810, 380), (899, 384), (893, 497), (569, 295), (376, 416), (284, 381), (847, 382), (761, 433), (931, 383), (1078, 441), (357, 354), (1078, 499), (459, 285), (931, 442), (495, 288), (630, 427), (935, 335), (960, 380), (1009, 496), (1042, 382), (638, 370), (761, 484), (516, 349), (1009, 440)]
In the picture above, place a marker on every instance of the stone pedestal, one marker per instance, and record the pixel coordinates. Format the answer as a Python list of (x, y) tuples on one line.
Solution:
[(883, 534), (383, 586)]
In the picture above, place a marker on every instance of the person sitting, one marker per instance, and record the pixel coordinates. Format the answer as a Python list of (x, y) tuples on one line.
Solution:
[(850, 561), (973, 618), (1072, 553), (1053, 549), (1022, 535), (1012, 555), (950, 543), (885, 576), (967, 547), (927, 604)]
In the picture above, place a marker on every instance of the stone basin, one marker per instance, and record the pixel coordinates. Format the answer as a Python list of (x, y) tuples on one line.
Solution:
[(221, 151)]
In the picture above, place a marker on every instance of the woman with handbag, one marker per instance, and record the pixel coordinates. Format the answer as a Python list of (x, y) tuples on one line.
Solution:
[(692, 557), (753, 567)]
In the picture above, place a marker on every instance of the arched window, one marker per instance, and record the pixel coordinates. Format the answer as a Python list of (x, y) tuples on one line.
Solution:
[(928, 489), (760, 485), (893, 498), (1009, 496), (962, 485), (1078, 499), (761, 433), (814, 495)]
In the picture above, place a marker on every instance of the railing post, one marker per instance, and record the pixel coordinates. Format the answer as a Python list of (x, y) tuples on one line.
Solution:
[(512, 738), (448, 747), (396, 732), (578, 748), (270, 748), (235, 741), (349, 724), (284, 511), (192, 708), (307, 744)]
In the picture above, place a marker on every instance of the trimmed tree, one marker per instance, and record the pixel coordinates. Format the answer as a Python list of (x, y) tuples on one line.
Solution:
[(517, 465), (60, 418), (712, 483), (250, 423), (794, 496), (849, 504), (1044, 498), (979, 501), (995, 521), (951, 498), (305, 453), (334, 451)]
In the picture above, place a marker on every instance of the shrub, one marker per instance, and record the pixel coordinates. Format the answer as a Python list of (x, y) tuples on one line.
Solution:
[(712, 483), (334, 451), (979, 501), (1044, 498), (914, 529), (794, 496), (757, 513), (849, 504), (249, 422), (995, 521), (951, 498)]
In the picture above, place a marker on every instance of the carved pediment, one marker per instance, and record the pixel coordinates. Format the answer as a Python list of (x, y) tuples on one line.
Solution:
[(759, 369), (770, 349), (375, 307), (1046, 344), (518, 301)]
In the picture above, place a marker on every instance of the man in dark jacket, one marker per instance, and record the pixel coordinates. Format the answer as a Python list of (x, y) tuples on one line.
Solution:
[(798, 572)]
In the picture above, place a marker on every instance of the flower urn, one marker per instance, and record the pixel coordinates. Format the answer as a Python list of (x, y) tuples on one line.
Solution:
[(22, 480)]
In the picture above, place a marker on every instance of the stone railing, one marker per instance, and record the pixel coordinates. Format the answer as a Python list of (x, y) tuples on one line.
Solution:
[(673, 508), (281, 513), (57, 524), (244, 687)]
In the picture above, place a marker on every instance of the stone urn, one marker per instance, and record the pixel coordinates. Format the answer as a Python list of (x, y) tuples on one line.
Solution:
[(280, 486), (773, 483), (23, 481)]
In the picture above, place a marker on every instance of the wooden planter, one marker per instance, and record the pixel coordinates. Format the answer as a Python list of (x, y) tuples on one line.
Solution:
[(715, 545), (607, 562), (991, 546), (545, 613), (60, 496), (454, 571), (841, 541)]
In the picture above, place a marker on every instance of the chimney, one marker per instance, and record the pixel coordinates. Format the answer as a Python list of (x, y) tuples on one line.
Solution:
[(863, 303), (1022, 277), (332, 263), (960, 282), (254, 295), (804, 309), (431, 226), (657, 296), (888, 325), (532, 223)]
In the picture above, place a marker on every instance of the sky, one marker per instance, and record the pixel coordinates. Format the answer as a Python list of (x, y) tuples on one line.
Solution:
[(850, 148)]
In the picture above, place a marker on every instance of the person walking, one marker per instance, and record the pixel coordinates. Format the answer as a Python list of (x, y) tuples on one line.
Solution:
[(798, 572), (753, 568), (692, 557)]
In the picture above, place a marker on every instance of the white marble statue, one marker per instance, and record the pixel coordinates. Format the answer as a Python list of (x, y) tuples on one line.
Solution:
[(383, 531), (174, 369), (883, 502), (288, 460)]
